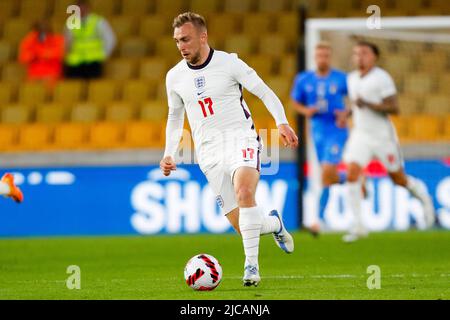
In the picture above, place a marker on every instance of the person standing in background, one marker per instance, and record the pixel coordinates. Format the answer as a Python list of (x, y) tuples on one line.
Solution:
[(89, 46)]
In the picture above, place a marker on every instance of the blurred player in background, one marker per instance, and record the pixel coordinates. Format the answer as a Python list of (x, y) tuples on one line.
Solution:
[(319, 95), (208, 84), (9, 189), (374, 96)]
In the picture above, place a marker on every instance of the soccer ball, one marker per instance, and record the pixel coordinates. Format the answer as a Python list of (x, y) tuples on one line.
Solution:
[(203, 272)]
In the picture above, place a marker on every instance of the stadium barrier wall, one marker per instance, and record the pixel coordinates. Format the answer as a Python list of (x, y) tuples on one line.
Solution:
[(127, 200)]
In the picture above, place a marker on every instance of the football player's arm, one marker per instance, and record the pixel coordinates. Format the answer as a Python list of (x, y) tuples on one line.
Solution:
[(253, 83), (174, 130), (389, 105)]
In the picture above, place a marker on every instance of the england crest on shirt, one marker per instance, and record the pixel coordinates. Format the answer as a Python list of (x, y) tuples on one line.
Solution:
[(200, 82)]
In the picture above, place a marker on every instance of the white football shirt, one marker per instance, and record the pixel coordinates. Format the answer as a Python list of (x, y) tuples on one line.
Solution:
[(212, 95), (375, 86)]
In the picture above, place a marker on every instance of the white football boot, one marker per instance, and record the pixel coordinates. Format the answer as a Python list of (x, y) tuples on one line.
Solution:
[(251, 276), (282, 238)]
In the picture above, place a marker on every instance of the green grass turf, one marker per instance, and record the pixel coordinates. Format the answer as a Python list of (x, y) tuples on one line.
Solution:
[(414, 265)]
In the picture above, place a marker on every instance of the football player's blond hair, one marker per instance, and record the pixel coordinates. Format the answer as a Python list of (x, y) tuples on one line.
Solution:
[(323, 45), (197, 20)]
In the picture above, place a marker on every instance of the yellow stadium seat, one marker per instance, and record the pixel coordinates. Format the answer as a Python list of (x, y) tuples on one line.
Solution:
[(6, 52), (273, 6), (424, 128), (446, 135), (105, 135), (222, 25), (135, 7), (238, 6), (134, 47), (205, 7), (273, 44), (444, 83), (263, 65), (154, 69), (70, 136), (288, 66), (281, 86), (437, 104), (69, 91), (434, 61), (106, 8), (288, 26), (155, 26), (136, 91), (409, 104), (102, 91), (9, 137), (51, 113), (31, 9), (399, 62), (120, 69), (8, 9), (166, 47), (241, 44), (419, 83), (32, 93), (15, 29), (16, 114), (258, 24), (400, 124), (13, 72), (141, 134), (154, 111), (124, 26), (34, 136), (170, 8), (120, 112), (7, 93), (85, 113)]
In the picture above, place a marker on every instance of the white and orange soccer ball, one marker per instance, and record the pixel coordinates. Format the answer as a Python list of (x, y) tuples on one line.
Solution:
[(203, 272)]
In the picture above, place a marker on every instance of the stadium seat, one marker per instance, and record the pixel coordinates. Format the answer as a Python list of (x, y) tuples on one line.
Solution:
[(238, 6), (288, 26), (424, 128), (419, 83), (120, 112), (30, 9), (281, 86), (124, 26), (9, 137), (134, 8), (105, 135), (166, 47), (141, 134), (69, 91), (273, 6), (401, 126), (153, 111), (134, 47), (263, 65), (15, 114), (34, 136), (6, 52), (105, 8), (399, 62), (273, 44), (70, 136), (14, 30), (434, 61), (32, 93), (288, 66), (102, 91), (60, 8), (170, 8), (206, 7), (154, 27), (51, 113), (136, 91), (258, 24), (7, 93), (409, 104), (223, 25), (13, 72), (153, 68), (446, 133), (241, 44), (8, 9), (85, 113), (120, 69), (437, 104), (444, 83)]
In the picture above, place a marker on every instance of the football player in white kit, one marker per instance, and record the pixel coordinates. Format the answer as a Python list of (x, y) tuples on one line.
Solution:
[(208, 85), (374, 96)]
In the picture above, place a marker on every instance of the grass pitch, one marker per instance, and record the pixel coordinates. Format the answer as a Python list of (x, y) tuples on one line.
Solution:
[(414, 265)]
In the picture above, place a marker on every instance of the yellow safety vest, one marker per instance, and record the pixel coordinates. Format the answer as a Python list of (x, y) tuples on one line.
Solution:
[(86, 46)]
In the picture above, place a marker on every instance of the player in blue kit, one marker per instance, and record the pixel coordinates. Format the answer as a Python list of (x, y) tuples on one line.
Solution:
[(320, 96)]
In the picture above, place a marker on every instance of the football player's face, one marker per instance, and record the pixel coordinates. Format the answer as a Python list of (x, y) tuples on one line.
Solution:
[(364, 57), (189, 42), (323, 58)]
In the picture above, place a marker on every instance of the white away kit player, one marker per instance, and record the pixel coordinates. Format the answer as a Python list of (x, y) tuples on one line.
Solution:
[(208, 85), (374, 96)]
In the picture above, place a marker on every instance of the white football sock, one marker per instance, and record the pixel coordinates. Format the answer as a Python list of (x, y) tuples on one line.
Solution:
[(4, 188), (250, 226), (416, 190), (354, 196), (270, 224)]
